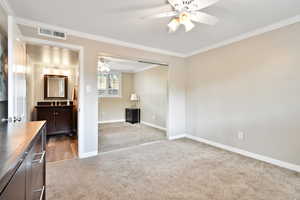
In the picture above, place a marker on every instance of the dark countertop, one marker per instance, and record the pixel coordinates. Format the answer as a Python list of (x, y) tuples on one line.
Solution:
[(15, 139), (56, 106)]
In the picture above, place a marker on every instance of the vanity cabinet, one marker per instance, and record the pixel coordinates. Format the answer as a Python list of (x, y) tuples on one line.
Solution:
[(59, 118), (23, 165)]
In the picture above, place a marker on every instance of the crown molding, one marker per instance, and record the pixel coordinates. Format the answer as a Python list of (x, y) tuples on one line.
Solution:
[(145, 68), (36, 24), (244, 36), (247, 35)]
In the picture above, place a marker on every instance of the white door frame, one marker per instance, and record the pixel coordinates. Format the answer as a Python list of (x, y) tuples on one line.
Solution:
[(80, 49), (10, 46)]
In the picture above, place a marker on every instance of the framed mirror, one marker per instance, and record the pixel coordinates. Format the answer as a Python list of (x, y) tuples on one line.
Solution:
[(55, 87)]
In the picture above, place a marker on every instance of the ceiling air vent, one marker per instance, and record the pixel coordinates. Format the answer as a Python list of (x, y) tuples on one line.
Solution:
[(52, 33)]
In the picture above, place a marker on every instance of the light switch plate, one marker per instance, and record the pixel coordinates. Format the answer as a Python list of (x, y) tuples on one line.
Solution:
[(241, 135), (88, 89)]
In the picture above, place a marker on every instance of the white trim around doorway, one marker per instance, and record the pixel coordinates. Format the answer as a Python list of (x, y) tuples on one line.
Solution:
[(80, 49)]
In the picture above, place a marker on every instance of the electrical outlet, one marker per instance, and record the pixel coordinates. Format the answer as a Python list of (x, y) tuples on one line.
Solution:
[(154, 117), (241, 135)]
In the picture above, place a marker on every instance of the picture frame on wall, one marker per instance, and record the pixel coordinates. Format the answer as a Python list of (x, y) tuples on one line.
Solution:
[(3, 68)]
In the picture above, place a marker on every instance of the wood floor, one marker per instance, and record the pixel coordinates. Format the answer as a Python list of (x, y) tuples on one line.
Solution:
[(61, 147)]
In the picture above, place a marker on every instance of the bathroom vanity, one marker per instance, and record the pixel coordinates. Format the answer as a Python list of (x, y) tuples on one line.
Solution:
[(56, 109), (60, 118)]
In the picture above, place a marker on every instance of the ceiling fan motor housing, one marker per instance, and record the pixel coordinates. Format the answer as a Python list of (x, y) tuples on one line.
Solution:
[(186, 5)]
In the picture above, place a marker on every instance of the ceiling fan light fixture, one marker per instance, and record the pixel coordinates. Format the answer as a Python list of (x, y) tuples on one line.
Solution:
[(173, 25), (103, 67), (189, 25), (184, 16), (186, 12)]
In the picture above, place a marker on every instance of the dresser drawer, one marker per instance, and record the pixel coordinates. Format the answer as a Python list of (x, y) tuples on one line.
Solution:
[(16, 190), (24, 163), (36, 169)]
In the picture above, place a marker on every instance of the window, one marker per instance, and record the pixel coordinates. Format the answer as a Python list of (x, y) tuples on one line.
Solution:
[(109, 84)]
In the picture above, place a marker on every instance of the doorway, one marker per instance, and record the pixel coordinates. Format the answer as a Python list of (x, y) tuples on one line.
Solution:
[(132, 102), (14, 62), (52, 95)]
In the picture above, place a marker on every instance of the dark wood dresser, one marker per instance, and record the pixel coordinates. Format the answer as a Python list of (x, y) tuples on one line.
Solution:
[(23, 166), (60, 119), (132, 115)]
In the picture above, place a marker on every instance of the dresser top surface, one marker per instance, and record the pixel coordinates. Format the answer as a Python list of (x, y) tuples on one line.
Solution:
[(14, 141)]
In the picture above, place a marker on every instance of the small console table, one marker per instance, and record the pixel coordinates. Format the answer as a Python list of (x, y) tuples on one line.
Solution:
[(132, 115)]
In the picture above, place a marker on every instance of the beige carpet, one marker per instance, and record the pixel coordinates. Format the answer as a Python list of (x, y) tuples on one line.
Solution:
[(170, 170), (114, 136)]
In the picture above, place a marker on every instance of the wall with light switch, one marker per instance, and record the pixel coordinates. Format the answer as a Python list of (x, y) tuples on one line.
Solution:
[(92, 49), (113, 108)]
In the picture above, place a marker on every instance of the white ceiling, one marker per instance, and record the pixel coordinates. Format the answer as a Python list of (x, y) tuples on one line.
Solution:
[(121, 20), (126, 65)]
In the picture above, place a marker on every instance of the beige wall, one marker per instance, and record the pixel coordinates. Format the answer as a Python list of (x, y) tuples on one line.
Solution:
[(151, 87), (111, 109), (177, 89), (251, 86)]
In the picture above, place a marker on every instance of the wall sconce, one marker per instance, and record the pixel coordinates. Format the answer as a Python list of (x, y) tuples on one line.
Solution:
[(20, 69)]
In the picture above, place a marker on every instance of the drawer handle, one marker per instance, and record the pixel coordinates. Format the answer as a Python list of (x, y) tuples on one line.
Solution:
[(42, 192), (41, 158)]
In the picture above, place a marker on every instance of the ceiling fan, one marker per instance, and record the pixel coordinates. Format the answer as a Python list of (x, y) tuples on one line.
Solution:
[(185, 12), (103, 66)]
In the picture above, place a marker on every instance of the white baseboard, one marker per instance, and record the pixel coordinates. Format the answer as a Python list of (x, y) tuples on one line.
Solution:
[(175, 137), (154, 126), (111, 121), (88, 154), (273, 161)]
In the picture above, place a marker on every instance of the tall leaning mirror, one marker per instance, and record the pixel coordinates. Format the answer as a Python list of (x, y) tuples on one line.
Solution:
[(55, 87)]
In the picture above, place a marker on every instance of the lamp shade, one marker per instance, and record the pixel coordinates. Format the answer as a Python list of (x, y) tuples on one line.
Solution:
[(134, 97)]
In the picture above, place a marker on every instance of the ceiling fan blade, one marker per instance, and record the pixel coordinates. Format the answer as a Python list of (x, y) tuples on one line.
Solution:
[(157, 9), (200, 4), (162, 15), (177, 4), (204, 18)]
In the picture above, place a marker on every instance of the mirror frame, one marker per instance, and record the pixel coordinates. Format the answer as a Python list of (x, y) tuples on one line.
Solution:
[(46, 76)]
